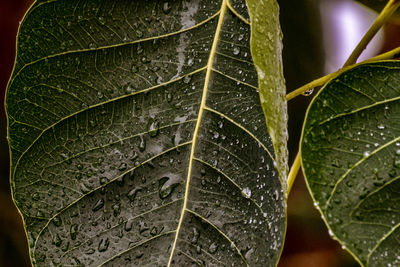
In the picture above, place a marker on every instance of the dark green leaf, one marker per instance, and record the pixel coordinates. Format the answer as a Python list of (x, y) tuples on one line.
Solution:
[(138, 138), (351, 159)]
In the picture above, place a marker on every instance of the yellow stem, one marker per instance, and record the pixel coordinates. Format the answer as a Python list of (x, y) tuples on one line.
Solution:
[(293, 171), (388, 55), (389, 9), (385, 14), (321, 81), (312, 85)]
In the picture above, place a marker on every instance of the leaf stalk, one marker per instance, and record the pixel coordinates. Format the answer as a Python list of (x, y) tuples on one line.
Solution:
[(293, 171), (322, 80), (382, 18)]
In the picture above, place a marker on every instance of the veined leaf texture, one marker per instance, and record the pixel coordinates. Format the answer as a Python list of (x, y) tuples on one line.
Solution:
[(138, 138), (351, 160)]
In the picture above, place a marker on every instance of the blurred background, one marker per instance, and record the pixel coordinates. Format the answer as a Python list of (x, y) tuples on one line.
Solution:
[(318, 37)]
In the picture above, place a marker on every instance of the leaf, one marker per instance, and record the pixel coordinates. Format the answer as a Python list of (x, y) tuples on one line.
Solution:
[(267, 56), (351, 160), (138, 138)]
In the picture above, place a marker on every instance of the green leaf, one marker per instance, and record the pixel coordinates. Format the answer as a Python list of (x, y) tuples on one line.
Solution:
[(351, 160), (266, 49), (138, 138)]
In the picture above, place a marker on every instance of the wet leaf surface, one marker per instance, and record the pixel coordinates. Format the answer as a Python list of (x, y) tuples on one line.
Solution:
[(351, 160), (138, 137), (266, 48)]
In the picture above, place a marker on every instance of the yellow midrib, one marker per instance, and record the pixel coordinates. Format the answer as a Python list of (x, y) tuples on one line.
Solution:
[(199, 117)]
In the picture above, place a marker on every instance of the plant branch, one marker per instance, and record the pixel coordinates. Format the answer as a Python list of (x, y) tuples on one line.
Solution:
[(321, 81), (312, 85), (389, 9), (385, 14), (293, 171)]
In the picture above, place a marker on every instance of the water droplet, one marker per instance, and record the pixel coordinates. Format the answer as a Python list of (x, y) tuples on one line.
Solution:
[(166, 7), (213, 248), (196, 235), (128, 226), (236, 51), (169, 97), (308, 92), (116, 209), (143, 227), (132, 194), (145, 60), (215, 135), (123, 166), (128, 88), (142, 144), (89, 251), (153, 128), (139, 34), (57, 221), (99, 204), (366, 153), (153, 231), (57, 240), (134, 68), (187, 79), (102, 20), (92, 46), (103, 180), (103, 244), (246, 192), (73, 231), (381, 126), (397, 163), (166, 187), (330, 232), (35, 196), (275, 195)]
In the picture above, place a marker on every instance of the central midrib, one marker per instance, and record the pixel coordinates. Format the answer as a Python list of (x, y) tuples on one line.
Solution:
[(199, 117)]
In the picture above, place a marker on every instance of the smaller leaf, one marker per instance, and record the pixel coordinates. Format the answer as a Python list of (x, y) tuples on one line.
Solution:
[(351, 160), (266, 50)]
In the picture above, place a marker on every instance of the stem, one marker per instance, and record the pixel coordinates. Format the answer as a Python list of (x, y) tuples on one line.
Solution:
[(385, 14), (293, 171), (388, 55), (389, 9), (312, 85), (321, 81)]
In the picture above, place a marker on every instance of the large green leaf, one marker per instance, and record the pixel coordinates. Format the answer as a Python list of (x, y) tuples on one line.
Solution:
[(351, 159), (138, 138)]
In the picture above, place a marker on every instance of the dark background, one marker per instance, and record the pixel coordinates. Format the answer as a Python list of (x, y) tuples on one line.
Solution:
[(307, 241)]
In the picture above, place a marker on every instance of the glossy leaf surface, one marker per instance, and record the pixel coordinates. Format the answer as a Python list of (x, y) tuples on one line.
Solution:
[(351, 160), (138, 138)]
